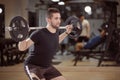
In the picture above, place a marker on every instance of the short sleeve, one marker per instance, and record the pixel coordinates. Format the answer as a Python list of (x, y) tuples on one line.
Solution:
[(34, 36)]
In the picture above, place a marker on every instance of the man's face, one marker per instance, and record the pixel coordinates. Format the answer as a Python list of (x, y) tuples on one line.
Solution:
[(55, 20), (81, 18)]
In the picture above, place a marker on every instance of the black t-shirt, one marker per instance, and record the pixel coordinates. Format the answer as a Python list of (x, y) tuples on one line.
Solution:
[(45, 46)]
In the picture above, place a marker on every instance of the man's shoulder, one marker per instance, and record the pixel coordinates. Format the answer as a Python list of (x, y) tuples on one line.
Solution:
[(38, 31), (85, 20)]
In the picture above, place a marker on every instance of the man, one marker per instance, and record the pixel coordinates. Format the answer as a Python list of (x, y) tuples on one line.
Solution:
[(46, 42), (93, 42), (85, 34)]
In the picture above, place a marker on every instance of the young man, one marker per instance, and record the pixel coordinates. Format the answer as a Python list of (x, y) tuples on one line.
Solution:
[(85, 34), (46, 42)]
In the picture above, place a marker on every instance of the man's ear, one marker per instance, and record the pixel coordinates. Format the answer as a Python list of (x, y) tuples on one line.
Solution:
[(48, 19)]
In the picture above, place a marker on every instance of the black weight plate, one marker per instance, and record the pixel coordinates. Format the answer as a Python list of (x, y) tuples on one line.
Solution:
[(77, 26), (19, 28)]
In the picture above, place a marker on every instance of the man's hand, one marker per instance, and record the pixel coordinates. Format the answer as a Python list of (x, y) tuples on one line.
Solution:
[(69, 29)]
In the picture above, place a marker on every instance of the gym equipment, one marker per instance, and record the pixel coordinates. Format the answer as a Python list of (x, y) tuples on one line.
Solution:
[(19, 28), (77, 26)]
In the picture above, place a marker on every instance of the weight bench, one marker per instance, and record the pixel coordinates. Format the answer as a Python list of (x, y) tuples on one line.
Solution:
[(108, 51), (91, 52)]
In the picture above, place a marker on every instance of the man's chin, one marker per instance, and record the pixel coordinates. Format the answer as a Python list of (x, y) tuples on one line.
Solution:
[(56, 27)]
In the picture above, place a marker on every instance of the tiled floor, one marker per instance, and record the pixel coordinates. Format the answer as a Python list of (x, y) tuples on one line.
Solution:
[(85, 70)]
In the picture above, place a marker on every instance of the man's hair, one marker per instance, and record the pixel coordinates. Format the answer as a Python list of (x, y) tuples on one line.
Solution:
[(51, 11), (80, 15)]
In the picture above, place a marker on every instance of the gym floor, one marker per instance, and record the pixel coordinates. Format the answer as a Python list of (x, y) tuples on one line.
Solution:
[(85, 70)]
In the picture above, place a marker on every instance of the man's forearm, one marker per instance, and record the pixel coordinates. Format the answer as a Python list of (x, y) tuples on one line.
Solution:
[(22, 45), (68, 31), (25, 44), (88, 31), (62, 36)]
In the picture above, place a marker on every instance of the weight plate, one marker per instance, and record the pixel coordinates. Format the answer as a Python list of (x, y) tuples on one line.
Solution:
[(19, 28)]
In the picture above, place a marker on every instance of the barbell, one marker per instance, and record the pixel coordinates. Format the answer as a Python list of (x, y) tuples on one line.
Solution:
[(19, 29)]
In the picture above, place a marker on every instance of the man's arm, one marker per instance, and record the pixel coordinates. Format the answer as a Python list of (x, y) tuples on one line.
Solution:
[(25, 44), (65, 34), (62, 36), (88, 29)]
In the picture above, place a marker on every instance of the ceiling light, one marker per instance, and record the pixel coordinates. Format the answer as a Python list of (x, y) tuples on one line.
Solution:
[(55, 0), (61, 3), (88, 10), (1, 10)]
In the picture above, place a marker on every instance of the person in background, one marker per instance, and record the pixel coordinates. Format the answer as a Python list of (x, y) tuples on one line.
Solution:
[(85, 34), (95, 41)]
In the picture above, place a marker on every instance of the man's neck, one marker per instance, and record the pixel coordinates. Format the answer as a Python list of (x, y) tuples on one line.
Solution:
[(51, 29)]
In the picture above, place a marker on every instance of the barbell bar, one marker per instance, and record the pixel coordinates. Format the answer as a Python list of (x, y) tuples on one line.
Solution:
[(33, 28)]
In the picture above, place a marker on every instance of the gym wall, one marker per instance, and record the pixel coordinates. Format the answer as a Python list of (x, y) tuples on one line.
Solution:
[(118, 12), (14, 8)]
